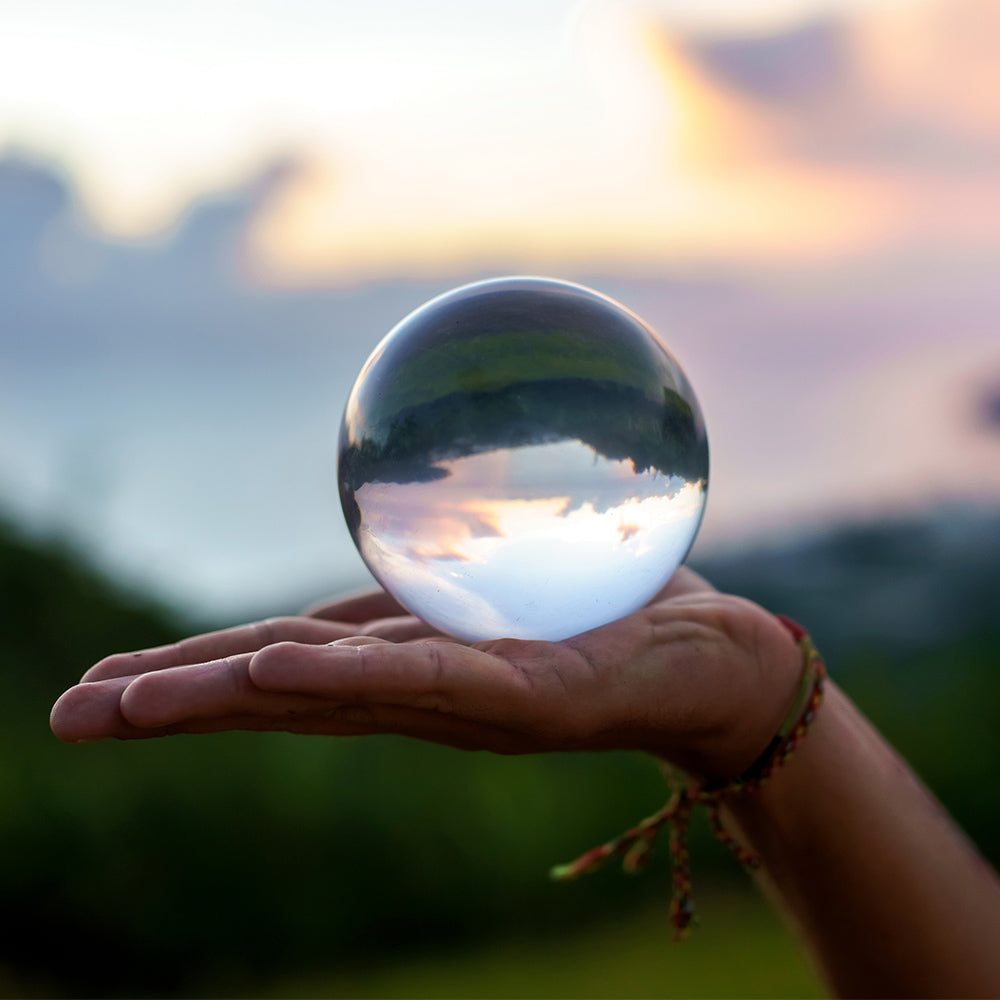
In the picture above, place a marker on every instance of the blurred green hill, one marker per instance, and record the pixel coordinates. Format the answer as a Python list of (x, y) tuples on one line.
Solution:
[(204, 865)]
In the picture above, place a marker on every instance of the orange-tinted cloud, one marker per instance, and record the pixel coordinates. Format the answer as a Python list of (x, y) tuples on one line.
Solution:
[(823, 140)]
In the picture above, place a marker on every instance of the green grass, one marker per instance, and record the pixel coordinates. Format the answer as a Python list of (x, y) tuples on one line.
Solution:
[(738, 950)]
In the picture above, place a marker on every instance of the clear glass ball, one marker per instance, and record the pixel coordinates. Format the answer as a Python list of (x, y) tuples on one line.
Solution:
[(522, 457)]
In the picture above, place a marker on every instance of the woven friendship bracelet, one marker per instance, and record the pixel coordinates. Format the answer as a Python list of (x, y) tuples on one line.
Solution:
[(636, 845)]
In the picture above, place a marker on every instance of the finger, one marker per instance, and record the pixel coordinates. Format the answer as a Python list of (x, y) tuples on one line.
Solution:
[(519, 686), (548, 693), (216, 645), (218, 689), (684, 581), (370, 668), (399, 629), (219, 696), (358, 608), (90, 712)]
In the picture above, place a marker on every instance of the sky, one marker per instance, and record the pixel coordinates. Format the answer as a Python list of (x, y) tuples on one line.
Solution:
[(548, 130), (802, 197)]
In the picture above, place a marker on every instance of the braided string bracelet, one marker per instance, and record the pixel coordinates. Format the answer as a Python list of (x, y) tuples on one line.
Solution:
[(636, 844)]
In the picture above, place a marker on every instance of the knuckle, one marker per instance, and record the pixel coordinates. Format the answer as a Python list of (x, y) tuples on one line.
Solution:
[(265, 631)]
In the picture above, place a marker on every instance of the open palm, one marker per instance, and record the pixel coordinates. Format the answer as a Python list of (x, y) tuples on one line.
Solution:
[(698, 677)]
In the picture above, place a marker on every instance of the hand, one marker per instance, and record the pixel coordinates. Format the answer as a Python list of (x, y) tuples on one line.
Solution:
[(697, 677)]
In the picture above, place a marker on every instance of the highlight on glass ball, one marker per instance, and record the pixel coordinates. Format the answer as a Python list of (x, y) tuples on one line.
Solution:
[(523, 458)]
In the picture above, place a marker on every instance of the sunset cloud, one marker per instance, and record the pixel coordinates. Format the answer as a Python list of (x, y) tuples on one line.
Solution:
[(597, 134)]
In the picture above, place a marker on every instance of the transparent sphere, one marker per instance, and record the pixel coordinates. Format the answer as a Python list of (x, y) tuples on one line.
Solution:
[(522, 457)]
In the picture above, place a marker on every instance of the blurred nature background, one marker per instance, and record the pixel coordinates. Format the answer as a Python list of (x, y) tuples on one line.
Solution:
[(210, 213)]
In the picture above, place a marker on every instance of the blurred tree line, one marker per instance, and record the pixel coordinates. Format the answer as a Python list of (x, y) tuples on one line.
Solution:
[(208, 864)]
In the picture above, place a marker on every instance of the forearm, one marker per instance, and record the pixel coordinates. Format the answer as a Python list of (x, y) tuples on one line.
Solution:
[(888, 894)]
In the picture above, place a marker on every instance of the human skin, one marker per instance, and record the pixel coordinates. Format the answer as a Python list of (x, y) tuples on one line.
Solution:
[(889, 897)]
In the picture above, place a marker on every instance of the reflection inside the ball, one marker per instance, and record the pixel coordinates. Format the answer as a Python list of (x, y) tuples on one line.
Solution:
[(524, 458), (468, 551)]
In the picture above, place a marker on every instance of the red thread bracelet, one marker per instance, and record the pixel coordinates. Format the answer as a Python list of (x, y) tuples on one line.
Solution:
[(637, 843)]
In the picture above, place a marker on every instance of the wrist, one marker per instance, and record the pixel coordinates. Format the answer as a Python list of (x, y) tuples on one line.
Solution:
[(765, 700), (796, 722), (690, 791)]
